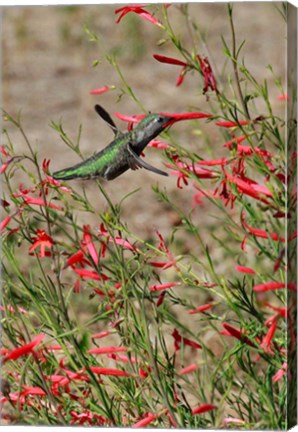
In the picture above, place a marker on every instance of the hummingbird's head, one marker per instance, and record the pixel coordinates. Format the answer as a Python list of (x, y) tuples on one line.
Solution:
[(152, 125)]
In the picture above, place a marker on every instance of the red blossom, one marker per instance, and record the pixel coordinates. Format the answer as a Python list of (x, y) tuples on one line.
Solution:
[(205, 407), (107, 350), (145, 421), (266, 342), (108, 371), (173, 61), (178, 340), (139, 11), (213, 162), (156, 143), (76, 258), (208, 74), (160, 299), (169, 60), (163, 286), (32, 391), (260, 232), (3, 151), (89, 243), (271, 286), (200, 309), (228, 124), (249, 187), (237, 334), (280, 373), (42, 240), (24, 349), (283, 97), (100, 335), (188, 369), (101, 90), (283, 312), (90, 274), (247, 270), (5, 222)]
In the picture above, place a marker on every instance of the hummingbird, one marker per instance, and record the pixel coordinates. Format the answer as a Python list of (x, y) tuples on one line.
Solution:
[(122, 153)]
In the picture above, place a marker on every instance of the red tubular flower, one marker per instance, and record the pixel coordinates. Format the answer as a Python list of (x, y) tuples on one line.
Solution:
[(253, 190), (89, 243), (228, 124), (237, 334), (208, 74), (178, 340), (101, 90), (280, 373), (213, 162), (283, 97), (24, 350), (266, 342), (5, 222), (173, 61), (271, 286), (43, 241), (200, 409), (247, 270), (108, 371), (169, 60), (261, 233), (188, 369), (160, 299), (156, 143), (283, 312), (76, 258), (145, 421), (199, 309), (163, 286), (107, 350), (139, 11), (32, 391), (90, 274), (100, 335)]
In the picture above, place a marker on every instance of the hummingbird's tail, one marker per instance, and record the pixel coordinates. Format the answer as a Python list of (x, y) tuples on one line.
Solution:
[(69, 173)]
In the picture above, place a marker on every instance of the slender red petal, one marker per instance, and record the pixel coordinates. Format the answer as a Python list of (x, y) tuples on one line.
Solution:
[(169, 60), (247, 270), (271, 286), (107, 350), (266, 342), (228, 124), (5, 222), (101, 90), (199, 309), (100, 335), (163, 286), (237, 334), (88, 274), (32, 391), (89, 244), (188, 369), (108, 371), (203, 408), (145, 421), (24, 349)]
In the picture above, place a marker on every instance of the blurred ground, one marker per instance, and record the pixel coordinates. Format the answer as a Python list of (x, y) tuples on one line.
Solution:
[(47, 74)]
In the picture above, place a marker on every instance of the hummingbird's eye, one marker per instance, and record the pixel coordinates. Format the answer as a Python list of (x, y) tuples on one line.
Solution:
[(160, 119)]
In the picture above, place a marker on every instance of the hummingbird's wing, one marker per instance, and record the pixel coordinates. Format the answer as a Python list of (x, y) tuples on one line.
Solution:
[(137, 162), (107, 118)]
